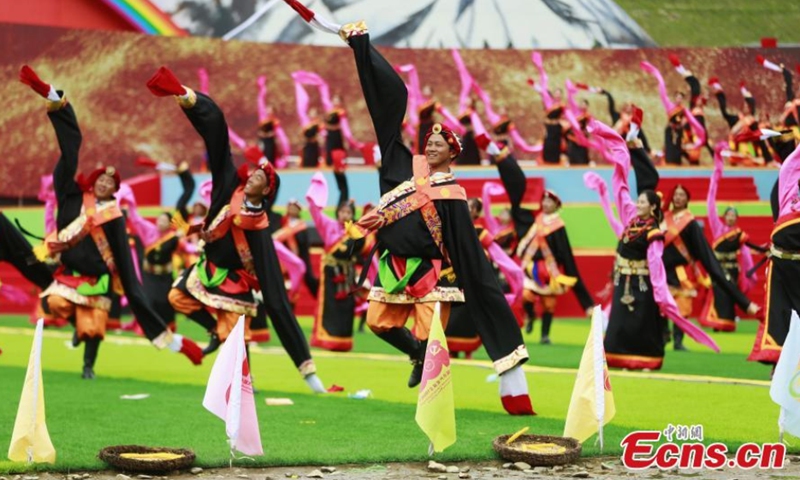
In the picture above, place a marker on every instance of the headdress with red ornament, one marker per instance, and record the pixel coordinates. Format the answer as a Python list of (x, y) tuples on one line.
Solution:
[(449, 136), (87, 183), (667, 200), (553, 196)]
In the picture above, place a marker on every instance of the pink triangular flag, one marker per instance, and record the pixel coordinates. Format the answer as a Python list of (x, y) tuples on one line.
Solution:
[(229, 394)]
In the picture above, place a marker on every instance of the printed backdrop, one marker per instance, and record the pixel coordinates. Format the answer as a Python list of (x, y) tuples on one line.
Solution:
[(420, 23), (104, 75)]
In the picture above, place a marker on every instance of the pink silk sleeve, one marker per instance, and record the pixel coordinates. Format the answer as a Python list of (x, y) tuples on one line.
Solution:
[(787, 184), (450, 120), (14, 294), (521, 144), (283, 141), (202, 80), (577, 131), (618, 153), (466, 81), (490, 189), (347, 134), (510, 269), (491, 115), (662, 88), (414, 90), (262, 98), (666, 303), (746, 282), (411, 112), (697, 128), (595, 182), (186, 246), (144, 229), (544, 88), (317, 197), (236, 139), (571, 91), (301, 98), (293, 264), (50, 215), (477, 124), (717, 228)]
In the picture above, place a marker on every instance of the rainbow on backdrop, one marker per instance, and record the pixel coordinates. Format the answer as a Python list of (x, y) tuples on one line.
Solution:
[(146, 17)]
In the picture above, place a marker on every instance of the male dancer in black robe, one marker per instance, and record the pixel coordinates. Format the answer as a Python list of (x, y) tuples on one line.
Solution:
[(239, 256), (92, 243), (429, 249)]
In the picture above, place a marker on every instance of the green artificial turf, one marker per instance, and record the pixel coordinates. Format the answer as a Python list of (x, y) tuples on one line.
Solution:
[(698, 23), (84, 416)]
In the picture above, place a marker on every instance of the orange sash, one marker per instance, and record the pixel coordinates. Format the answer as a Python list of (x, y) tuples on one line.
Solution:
[(673, 232), (237, 221), (425, 192)]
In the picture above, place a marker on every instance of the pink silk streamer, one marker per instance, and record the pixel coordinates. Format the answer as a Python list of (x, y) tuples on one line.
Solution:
[(301, 97), (544, 88), (14, 294), (293, 265), (280, 134), (511, 270), (344, 124), (262, 98), (665, 302), (787, 184), (491, 115), (466, 81), (143, 228), (491, 189), (48, 195), (415, 98), (203, 81), (125, 192), (329, 229), (595, 182), (449, 120), (521, 144)]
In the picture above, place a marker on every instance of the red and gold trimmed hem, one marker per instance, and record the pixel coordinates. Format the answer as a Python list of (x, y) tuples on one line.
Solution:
[(438, 294), (463, 344), (260, 335), (721, 324), (307, 368), (710, 319), (765, 350), (190, 101), (219, 302), (633, 362), (517, 357), (334, 344), (99, 302), (57, 105)]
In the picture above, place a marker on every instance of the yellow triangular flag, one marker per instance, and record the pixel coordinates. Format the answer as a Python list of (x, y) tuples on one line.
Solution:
[(592, 403), (30, 441), (436, 413)]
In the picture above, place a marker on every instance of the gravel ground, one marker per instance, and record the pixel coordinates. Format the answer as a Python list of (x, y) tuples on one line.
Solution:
[(608, 468)]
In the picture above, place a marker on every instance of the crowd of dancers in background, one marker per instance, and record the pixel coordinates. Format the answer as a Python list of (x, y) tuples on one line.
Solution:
[(231, 254)]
